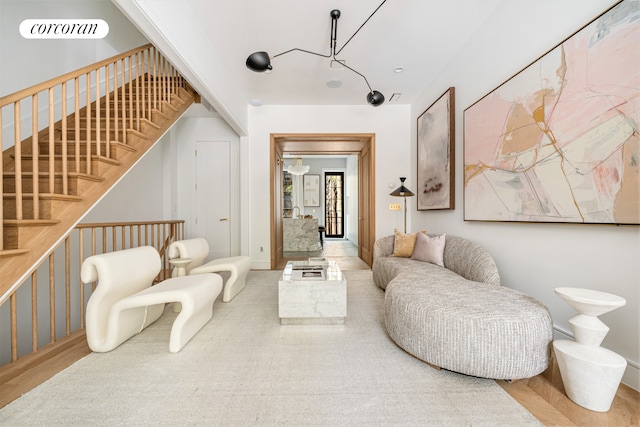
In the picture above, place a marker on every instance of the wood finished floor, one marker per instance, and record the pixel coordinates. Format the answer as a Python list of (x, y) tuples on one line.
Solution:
[(542, 395), (342, 251)]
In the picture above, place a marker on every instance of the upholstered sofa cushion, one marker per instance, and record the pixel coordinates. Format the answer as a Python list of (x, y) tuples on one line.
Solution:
[(461, 256), (468, 327), (429, 249)]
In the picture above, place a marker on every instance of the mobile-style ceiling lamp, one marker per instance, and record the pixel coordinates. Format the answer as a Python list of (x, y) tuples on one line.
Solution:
[(403, 191), (261, 61), (298, 168)]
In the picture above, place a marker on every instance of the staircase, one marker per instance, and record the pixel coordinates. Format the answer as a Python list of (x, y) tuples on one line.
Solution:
[(79, 146)]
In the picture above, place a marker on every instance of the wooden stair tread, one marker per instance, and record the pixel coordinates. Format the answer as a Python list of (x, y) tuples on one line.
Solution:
[(70, 158), (29, 222), (12, 252), (80, 175), (45, 196)]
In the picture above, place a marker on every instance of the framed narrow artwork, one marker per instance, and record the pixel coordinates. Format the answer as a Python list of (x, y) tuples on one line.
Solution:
[(559, 141), (436, 144), (311, 184)]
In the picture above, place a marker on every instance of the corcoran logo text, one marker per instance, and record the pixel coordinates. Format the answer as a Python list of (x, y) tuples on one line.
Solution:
[(64, 29)]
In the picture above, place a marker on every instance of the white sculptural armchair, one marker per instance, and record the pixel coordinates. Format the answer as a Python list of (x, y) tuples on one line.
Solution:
[(124, 302), (198, 250)]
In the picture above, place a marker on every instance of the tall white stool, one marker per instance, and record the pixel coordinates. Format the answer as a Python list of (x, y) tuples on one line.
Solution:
[(590, 373)]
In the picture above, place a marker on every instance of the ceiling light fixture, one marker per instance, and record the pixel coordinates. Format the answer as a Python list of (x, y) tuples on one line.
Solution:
[(298, 168), (261, 61)]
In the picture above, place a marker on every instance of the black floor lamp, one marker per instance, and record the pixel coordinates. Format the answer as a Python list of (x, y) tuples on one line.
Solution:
[(403, 191)]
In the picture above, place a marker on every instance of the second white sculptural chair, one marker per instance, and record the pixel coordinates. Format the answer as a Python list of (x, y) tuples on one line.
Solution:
[(124, 302), (197, 250)]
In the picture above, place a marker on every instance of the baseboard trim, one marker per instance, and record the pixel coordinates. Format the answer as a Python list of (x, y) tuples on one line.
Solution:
[(261, 265)]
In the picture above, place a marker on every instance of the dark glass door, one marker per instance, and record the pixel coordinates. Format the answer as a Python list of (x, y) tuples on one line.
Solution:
[(334, 204)]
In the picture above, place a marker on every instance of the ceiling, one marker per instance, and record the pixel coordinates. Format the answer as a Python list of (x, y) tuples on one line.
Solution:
[(420, 36)]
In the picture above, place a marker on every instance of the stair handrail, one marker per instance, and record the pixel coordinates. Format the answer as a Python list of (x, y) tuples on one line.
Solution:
[(23, 93)]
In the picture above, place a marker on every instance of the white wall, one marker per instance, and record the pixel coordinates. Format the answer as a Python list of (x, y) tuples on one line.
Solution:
[(198, 124), (139, 195), (26, 62), (536, 258), (391, 125)]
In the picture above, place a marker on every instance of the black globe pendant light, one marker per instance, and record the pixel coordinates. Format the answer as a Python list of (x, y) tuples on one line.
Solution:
[(261, 61)]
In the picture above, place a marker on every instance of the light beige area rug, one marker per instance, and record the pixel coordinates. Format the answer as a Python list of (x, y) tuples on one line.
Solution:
[(245, 369)]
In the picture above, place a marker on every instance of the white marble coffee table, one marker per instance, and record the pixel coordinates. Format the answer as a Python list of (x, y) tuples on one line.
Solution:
[(312, 301)]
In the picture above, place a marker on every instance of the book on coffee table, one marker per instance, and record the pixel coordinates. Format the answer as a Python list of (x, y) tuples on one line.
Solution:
[(309, 273)]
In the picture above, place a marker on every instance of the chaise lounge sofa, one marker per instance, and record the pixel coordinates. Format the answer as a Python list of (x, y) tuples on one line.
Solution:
[(458, 317)]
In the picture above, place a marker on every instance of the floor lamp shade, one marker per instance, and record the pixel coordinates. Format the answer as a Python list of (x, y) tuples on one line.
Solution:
[(403, 192)]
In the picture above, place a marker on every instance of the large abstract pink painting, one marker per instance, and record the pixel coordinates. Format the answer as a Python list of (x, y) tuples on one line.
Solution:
[(559, 141)]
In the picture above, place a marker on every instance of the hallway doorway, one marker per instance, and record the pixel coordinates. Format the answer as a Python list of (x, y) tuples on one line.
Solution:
[(361, 145)]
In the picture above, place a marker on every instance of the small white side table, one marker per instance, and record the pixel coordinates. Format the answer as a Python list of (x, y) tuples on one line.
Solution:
[(180, 265), (590, 374)]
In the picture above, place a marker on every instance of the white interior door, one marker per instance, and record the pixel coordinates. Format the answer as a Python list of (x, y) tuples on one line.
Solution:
[(213, 213)]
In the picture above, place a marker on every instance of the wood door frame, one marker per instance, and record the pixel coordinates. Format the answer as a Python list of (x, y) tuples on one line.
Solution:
[(321, 143)]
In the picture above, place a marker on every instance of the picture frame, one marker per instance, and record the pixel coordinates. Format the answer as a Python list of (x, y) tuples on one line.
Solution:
[(556, 143), (311, 187), (436, 154)]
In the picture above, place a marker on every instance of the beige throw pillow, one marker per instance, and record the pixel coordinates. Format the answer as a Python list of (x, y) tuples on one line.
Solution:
[(403, 244), (429, 249)]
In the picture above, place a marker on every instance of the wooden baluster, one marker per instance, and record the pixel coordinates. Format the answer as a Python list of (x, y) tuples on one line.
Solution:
[(93, 252), (123, 108), (104, 240), (13, 304), (148, 76), (169, 81), (34, 311), (97, 118), (65, 166), (67, 284), (114, 238), (88, 123), (131, 92), (52, 142), (35, 151), (123, 237), (160, 79), (155, 79), (76, 116), (52, 298), (165, 72), (115, 101), (81, 260), (18, 158), (107, 111), (137, 91), (174, 87)]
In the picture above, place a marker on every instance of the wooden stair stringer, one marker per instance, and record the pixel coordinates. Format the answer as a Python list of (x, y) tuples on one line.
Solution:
[(37, 243)]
